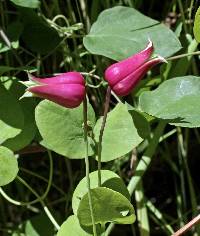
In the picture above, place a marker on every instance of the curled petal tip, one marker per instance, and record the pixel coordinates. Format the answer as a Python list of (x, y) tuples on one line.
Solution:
[(150, 44), (149, 48), (162, 59), (30, 76), (34, 79), (149, 39)]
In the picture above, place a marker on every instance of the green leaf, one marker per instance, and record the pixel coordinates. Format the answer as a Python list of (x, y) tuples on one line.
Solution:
[(29, 129), (129, 30), (13, 85), (109, 179), (25, 3), (38, 226), (11, 115), (62, 128), (109, 205), (71, 227), (8, 166), (175, 100), (38, 35), (140, 121), (178, 29), (120, 135), (196, 28), (27, 105), (35, 226), (117, 184)]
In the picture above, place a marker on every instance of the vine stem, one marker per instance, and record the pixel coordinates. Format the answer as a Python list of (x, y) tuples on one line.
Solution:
[(46, 209), (188, 226), (106, 108), (87, 168), (38, 199), (183, 55)]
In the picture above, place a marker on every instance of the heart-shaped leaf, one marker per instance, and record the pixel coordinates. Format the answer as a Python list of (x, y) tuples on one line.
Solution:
[(8, 166), (11, 115), (72, 227), (35, 226), (120, 135), (62, 128), (119, 32), (29, 129), (176, 100), (27, 105), (109, 179), (110, 206)]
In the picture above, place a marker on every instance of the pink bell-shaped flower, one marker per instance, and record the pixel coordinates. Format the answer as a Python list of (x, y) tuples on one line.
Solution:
[(66, 89), (123, 76)]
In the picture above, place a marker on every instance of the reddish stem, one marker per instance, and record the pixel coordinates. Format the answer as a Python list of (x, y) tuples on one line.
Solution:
[(188, 226)]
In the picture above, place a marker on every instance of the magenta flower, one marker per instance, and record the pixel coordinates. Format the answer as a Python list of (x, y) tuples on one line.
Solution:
[(123, 76), (67, 89)]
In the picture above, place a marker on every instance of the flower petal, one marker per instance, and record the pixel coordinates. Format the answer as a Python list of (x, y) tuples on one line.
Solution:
[(67, 95), (124, 87), (64, 78), (120, 70)]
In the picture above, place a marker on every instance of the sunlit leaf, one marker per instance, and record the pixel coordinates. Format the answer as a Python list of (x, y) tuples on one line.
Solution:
[(8, 166), (175, 100), (122, 31), (120, 134), (109, 179), (109, 205), (62, 128)]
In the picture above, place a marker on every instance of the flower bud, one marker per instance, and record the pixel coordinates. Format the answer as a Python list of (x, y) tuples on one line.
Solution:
[(123, 76), (67, 89)]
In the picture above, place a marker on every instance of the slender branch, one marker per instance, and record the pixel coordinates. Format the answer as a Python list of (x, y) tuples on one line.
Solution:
[(95, 86), (48, 213), (106, 108), (31, 208), (91, 75), (9, 199), (115, 96), (159, 216), (34, 174), (38, 199), (183, 55), (87, 169), (188, 226)]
